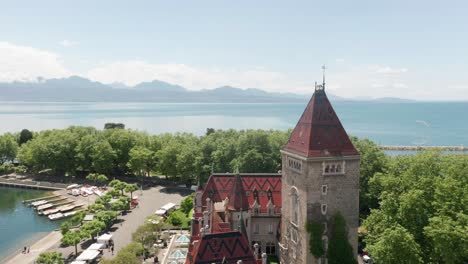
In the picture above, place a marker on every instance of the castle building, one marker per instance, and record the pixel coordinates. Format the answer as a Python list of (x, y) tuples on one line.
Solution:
[(320, 177), (243, 218)]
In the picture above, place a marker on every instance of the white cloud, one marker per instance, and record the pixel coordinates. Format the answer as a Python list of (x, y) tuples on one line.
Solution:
[(389, 70), (136, 71), (68, 43), (22, 63), (27, 63)]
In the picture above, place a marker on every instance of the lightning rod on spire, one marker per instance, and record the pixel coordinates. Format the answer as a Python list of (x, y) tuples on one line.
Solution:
[(323, 82)]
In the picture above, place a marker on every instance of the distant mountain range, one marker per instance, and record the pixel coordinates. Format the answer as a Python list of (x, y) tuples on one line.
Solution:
[(78, 89)]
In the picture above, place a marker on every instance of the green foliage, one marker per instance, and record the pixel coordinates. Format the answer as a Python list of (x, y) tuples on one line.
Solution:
[(92, 228), (187, 204), (145, 235), (50, 258), (107, 217), (25, 136), (77, 219), (396, 245), (339, 249), (73, 238), (127, 255), (315, 231), (178, 218), (142, 161), (130, 188), (7, 168), (373, 160), (103, 157), (118, 185), (8, 148), (449, 237), (65, 227), (423, 197), (114, 126)]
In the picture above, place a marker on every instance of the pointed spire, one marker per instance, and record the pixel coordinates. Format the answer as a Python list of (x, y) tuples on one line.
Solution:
[(238, 200), (319, 132)]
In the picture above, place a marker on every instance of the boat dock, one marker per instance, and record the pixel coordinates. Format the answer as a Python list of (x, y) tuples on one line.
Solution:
[(41, 198), (32, 184), (420, 148)]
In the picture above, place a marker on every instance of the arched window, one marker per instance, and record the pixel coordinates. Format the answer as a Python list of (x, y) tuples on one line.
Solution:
[(294, 206)]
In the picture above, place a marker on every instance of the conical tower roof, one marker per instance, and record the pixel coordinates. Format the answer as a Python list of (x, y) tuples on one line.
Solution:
[(319, 132), (238, 200)]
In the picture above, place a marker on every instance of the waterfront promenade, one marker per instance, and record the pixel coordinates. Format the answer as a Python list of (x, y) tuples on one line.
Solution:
[(150, 200)]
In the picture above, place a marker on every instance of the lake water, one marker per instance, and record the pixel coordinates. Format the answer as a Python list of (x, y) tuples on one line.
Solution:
[(385, 123), (19, 224)]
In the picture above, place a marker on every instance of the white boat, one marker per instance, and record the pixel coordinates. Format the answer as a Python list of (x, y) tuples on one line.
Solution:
[(44, 206), (50, 211), (37, 203), (69, 214), (55, 216)]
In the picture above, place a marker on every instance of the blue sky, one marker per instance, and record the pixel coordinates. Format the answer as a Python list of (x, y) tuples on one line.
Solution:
[(409, 49)]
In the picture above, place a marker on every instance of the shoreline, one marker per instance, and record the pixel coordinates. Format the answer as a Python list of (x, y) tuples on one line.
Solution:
[(33, 242), (37, 245)]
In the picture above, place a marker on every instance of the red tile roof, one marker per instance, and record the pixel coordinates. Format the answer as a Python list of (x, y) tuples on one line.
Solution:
[(212, 248), (237, 198), (319, 132), (220, 186)]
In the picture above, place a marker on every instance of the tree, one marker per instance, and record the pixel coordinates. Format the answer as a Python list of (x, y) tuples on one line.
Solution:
[(65, 227), (103, 157), (176, 218), (50, 258), (118, 185), (72, 239), (8, 148), (373, 160), (107, 217), (142, 161), (101, 178), (339, 249), (187, 204), (167, 157), (97, 207), (25, 136), (396, 245), (449, 237), (93, 227), (186, 164), (114, 126), (131, 188), (145, 235)]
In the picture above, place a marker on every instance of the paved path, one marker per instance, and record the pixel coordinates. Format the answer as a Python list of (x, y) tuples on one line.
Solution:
[(149, 203)]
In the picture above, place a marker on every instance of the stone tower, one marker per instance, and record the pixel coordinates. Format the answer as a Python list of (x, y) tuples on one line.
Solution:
[(320, 176)]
